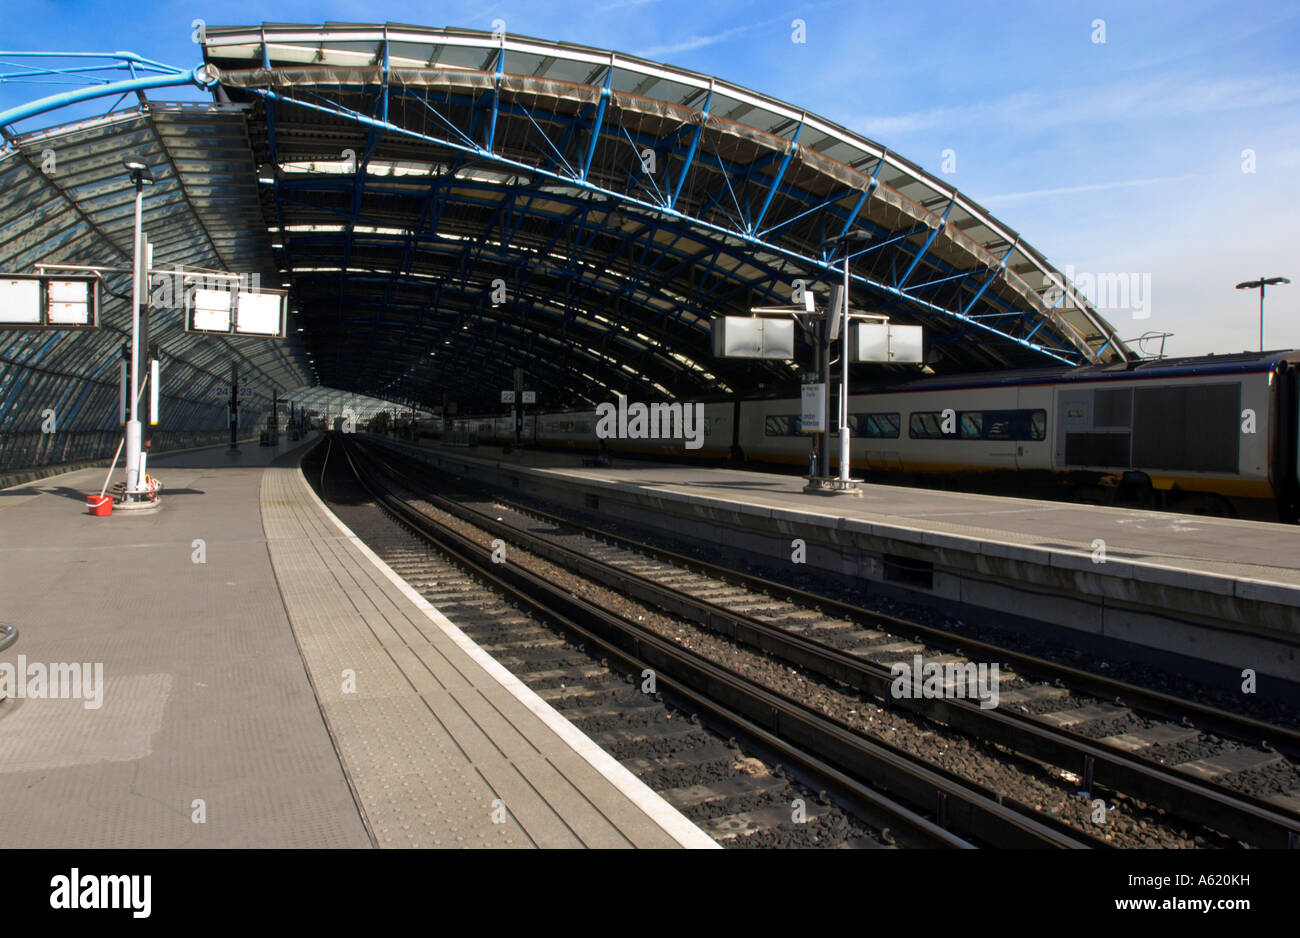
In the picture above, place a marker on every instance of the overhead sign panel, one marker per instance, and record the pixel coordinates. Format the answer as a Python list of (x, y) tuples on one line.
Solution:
[(885, 343), (258, 313), (69, 302), (210, 311), (753, 337), (20, 302), (42, 301)]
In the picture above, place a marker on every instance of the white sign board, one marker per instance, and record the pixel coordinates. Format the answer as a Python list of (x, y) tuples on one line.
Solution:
[(71, 303), (47, 301), (210, 311), (886, 343), (236, 312), (20, 302), (258, 314), (507, 397), (753, 337), (530, 397), (813, 418)]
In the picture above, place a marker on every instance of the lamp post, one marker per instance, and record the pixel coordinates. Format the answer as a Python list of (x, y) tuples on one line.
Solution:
[(1261, 283), (140, 176), (845, 240)]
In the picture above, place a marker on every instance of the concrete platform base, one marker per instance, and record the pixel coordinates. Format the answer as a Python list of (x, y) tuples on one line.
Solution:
[(1221, 592)]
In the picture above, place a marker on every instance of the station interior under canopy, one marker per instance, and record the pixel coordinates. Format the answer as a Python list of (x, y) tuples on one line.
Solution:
[(445, 206)]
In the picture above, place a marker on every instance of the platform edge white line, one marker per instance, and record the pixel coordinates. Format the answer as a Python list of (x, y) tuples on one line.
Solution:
[(672, 821)]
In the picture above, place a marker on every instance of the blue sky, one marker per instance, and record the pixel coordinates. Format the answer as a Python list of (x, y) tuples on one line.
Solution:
[(1122, 156)]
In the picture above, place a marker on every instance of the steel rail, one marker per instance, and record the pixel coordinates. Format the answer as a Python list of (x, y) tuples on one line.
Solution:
[(960, 806), (1208, 719), (1235, 813)]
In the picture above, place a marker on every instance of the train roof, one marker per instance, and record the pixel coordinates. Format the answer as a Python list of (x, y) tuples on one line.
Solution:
[(1192, 366)]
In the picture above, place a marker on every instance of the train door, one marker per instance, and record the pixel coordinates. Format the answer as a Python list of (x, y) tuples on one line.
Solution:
[(997, 432), (1033, 427), (1286, 443)]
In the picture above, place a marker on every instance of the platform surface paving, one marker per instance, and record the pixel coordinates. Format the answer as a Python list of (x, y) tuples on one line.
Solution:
[(205, 699), (1246, 550), (444, 747), (217, 622)]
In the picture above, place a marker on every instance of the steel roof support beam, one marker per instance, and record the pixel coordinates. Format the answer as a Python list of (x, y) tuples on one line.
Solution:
[(886, 288), (599, 123), (496, 98), (161, 76), (776, 180), (902, 281), (690, 153), (960, 275), (993, 275)]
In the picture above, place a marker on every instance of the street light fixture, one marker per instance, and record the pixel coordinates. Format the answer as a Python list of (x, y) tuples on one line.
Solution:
[(140, 176), (845, 240), (1260, 284)]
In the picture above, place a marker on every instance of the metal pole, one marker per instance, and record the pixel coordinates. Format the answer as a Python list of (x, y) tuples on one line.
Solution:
[(234, 404), (844, 386), (824, 375), (133, 424), (146, 263), (1261, 312)]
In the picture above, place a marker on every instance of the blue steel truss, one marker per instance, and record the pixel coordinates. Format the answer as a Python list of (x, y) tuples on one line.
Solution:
[(90, 75), (622, 204)]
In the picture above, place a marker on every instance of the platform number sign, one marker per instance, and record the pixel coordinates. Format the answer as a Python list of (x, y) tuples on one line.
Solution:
[(507, 397), (530, 397)]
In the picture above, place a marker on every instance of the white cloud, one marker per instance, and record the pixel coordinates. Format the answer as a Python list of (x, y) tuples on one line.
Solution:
[(1089, 187), (697, 42), (1156, 100)]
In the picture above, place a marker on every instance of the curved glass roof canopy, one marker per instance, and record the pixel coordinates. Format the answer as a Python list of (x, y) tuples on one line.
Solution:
[(449, 205)]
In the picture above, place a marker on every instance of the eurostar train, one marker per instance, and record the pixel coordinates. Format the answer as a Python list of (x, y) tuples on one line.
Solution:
[(1211, 435)]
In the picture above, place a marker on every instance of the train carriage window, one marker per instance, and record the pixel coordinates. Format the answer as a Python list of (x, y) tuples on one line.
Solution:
[(1003, 425), (1038, 425), (782, 425), (876, 426), (926, 426), (972, 425), (982, 425)]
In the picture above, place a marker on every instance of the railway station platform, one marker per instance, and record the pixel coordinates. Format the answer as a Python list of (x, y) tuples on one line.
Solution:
[(252, 676), (1216, 591)]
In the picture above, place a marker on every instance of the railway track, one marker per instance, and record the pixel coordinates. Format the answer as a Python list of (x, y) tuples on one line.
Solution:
[(740, 799), (1101, 734), (925, 805)]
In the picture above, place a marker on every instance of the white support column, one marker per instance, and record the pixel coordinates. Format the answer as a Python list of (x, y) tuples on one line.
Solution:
[(133, 429), (844, 386)]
